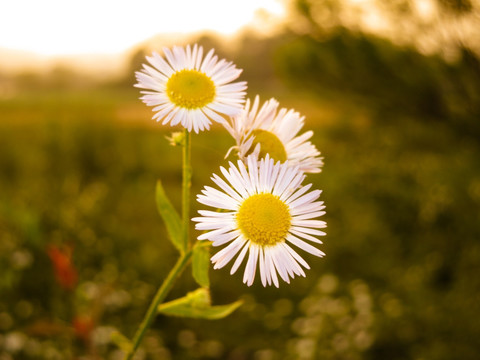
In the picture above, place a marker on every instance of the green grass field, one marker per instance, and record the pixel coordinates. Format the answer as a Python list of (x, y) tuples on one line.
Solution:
[(399, 281)]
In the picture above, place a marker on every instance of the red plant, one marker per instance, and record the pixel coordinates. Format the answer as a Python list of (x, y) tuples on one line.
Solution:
[(65, 272), (83, 326)]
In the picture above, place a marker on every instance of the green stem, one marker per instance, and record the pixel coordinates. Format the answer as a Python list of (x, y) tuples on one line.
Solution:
[(187, 182), (157, 300), (182, 261)]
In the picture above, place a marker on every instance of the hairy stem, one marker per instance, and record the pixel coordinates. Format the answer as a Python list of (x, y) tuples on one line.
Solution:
[(187, 182), (182, 261)]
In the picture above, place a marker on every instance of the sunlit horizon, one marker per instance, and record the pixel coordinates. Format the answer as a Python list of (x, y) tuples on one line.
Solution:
[(60, 28), (102, 35)]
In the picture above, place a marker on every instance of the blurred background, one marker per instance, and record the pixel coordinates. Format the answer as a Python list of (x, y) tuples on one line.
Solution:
[(392, 92)]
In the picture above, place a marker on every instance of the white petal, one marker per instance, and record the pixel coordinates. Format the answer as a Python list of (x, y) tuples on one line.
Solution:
[(224, 256), (250, 269), (304, 246), (239, 259)]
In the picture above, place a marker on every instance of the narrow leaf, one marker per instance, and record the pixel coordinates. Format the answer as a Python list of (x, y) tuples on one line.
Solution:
[(201, 263), (196, 304), (121, 341), (170, 217)]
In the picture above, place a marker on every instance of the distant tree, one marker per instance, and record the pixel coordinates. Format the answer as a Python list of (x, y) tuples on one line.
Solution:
[(338, 51), (444, 26)]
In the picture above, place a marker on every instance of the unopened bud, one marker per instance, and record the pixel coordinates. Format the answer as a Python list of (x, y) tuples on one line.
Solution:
[(177, 138)]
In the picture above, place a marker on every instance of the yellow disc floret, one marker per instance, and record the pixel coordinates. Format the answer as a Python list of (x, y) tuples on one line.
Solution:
[(269, 144), (264, 219), (190, 89)]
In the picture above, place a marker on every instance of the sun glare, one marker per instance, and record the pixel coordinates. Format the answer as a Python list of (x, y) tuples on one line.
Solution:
[(57, 27)]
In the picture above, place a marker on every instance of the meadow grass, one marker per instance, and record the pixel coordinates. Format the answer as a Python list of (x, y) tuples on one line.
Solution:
[(79, 167)]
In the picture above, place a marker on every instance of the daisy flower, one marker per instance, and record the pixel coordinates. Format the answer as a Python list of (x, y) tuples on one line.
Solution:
[(266, 211), (189, 89), (272, 131)]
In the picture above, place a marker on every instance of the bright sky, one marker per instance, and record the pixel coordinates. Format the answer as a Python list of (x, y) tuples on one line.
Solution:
[(63, 27)]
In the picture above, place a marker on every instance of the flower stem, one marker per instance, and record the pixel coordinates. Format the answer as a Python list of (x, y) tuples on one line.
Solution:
[(157, 300), (182, 262), (187, 182)]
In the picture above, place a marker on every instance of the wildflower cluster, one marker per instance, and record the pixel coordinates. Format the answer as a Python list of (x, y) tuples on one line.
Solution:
[(263, 212)]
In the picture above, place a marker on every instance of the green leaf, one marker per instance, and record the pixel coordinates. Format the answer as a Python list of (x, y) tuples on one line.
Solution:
[(121, 341), (170, 217), (201, 263), (196, 304)]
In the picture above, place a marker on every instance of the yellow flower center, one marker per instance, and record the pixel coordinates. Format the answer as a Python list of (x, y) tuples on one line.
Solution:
[(269, 144), (190, 89), (264, 219)]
